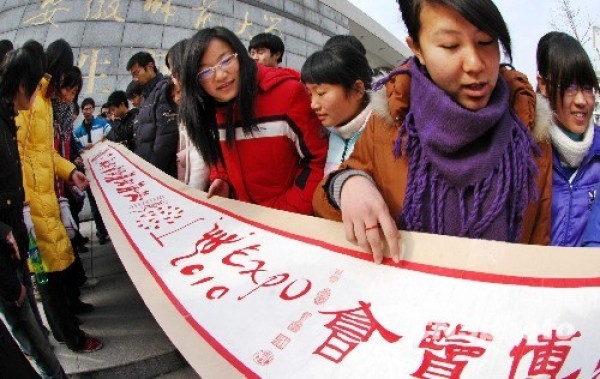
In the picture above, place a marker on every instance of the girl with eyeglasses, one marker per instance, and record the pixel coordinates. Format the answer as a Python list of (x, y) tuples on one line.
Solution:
[(567, 89), (252, 124), (450, 151)]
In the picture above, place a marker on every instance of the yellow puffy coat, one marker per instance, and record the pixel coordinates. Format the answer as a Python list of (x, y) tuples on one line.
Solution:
[(41, 163)]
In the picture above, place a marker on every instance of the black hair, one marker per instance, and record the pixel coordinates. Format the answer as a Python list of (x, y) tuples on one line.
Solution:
[(60, 60), (174, 58), (5, 47), (268, 41), (134, 89), (75, 108), (142, 59), (117, 98), (346, 39), (198, 110), (382, 70), (482, 13), (562, 61), (72, 78), (88, 101), (38, 50), (22, 67), (103, 112), (339, 64)]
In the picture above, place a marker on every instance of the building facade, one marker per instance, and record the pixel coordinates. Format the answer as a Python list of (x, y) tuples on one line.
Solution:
[(104, 34)]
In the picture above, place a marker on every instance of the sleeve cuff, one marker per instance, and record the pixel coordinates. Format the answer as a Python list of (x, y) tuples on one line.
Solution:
[(336, 183)]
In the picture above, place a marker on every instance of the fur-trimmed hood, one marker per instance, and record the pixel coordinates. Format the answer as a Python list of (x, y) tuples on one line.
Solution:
[(543, 119), (379, 103)]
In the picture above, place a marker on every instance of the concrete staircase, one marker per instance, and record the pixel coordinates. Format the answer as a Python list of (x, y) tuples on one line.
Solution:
[(134, 344)]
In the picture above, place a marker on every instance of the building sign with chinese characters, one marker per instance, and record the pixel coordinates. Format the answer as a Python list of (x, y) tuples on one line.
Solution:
[(277, 304), (106, 33)]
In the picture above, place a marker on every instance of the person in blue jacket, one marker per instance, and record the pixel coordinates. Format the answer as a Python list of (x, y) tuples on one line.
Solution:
[(591, 234), (567, 86)]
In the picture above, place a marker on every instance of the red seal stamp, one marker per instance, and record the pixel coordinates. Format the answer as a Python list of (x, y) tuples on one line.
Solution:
[(263, 357), (322, 296)]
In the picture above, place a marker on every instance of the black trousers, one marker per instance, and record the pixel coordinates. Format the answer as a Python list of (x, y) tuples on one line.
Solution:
[(58, 294), (13, 363), (100, 228)]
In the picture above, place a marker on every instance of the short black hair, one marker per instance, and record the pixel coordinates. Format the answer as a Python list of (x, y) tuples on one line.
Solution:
[(5, 47), (268, 41), (562, 61), (142, 58), (134, 89), (22, 67), (117, 98), (346, 39), (88, 101), (482, 13), (338, 64), (72, 78)]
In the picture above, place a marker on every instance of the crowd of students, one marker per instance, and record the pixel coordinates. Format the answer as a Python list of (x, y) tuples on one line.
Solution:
[(453, 141)]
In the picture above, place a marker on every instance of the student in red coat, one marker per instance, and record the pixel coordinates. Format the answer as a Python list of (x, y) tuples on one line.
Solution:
[(252, 124)]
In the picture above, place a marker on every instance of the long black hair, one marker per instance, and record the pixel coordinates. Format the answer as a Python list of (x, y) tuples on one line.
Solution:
[(22, 67), (175, 58), (60, 60), (562, 61), (338, 64), (482, 13), (198, 109)]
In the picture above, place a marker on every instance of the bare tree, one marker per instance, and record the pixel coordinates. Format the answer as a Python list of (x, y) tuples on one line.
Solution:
[(568, 19)]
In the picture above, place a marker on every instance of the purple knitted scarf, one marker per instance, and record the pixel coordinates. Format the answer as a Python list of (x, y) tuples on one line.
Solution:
[(471, 173)]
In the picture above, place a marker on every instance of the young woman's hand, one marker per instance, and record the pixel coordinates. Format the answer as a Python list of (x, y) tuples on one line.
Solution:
[(364, 212), (10, 240), (22, 296), (80, 180), (218, 187)]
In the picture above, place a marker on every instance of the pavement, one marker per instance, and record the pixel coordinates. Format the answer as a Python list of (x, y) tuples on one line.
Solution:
[(134, 344)]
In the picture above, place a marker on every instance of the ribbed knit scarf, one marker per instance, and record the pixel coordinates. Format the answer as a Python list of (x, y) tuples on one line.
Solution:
[(471, 173), (571, 153), (63, 133)]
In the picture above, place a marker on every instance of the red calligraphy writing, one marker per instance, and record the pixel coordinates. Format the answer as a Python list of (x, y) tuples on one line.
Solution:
[(349, 328), (548, 356), (451, 347), (209, 242)]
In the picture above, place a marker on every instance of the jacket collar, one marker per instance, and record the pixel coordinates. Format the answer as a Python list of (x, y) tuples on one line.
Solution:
[(151, 84)]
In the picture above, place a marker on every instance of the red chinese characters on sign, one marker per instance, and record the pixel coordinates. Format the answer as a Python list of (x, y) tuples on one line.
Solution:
[(160, 215), (349, 328), (124, 181), (548, 356), (446, 350)]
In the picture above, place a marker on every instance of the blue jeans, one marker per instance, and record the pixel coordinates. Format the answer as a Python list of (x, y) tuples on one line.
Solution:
[(33, 341)]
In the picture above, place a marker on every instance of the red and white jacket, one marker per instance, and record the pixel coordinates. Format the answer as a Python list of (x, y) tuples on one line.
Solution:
[(280, 164)]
